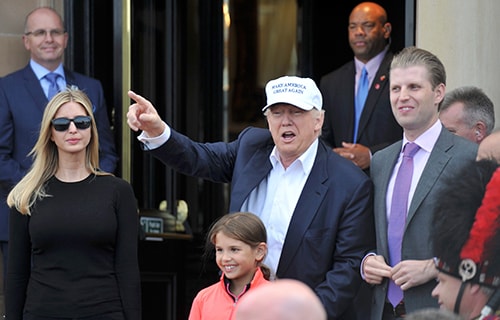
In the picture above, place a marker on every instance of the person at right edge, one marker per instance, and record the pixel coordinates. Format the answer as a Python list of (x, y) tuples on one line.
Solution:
[(358, 117), (408, 178), (466, 238)]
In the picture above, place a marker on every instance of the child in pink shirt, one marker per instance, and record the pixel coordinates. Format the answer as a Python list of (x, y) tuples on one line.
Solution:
[(240, 247)]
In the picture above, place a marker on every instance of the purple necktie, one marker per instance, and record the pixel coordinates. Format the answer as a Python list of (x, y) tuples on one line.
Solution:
[(53, 87), (359, 102), (397, 217)]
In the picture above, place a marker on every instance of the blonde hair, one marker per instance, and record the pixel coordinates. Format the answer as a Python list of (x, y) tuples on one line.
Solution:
[(45, 154)]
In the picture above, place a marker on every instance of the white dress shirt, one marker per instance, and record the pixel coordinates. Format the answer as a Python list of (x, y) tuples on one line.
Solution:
[(275, 198)]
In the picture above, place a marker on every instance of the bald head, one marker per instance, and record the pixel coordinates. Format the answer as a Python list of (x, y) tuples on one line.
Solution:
[(284, 299), (432, 314), (489, 148), (372, 7), (33, 16), (368, 30)]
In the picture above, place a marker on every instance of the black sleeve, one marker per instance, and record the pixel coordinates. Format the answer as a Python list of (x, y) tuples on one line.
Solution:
[(18, 265)]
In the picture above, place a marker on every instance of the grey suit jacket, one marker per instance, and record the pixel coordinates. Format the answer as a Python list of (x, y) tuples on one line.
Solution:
[(449, 154)]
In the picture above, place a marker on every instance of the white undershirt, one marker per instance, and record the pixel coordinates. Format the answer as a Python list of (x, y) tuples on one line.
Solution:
[(275, 198)]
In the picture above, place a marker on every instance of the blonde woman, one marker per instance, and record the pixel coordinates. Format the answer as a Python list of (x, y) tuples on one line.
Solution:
[(73, 251)]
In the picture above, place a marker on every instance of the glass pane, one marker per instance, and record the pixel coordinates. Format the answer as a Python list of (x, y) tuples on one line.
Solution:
[(260, 39)]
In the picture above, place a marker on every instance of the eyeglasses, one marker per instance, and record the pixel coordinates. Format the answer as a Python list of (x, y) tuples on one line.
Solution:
[(41, 33), (81, 122)]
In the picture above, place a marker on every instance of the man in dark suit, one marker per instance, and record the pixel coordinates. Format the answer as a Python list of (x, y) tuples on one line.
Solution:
[(357, 139), (317, 206), (417, 87), (23, 96)]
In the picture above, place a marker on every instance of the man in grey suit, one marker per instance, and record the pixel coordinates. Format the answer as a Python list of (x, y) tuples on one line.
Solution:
[(417, 87)]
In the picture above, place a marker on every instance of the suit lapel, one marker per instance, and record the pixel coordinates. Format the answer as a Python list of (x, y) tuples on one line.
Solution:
[(255, 170), (341, 112), (438, 160), (385, 176), (70, 78), (307, 207), (34, 88), (380, 81), (346, 121)]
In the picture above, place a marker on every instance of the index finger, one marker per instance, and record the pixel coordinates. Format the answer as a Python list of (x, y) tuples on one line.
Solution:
[(137, 98)]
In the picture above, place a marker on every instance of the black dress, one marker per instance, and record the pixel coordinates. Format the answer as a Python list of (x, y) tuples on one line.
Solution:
[(76, 255)]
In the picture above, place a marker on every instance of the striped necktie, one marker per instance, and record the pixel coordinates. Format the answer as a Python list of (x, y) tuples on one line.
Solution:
[(53, 87)]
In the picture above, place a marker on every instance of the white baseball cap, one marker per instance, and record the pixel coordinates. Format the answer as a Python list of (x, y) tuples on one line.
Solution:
[(300, 92)]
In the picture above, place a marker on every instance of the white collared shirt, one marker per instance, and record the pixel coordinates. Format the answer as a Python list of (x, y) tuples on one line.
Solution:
[(40, 72), (275, 198)]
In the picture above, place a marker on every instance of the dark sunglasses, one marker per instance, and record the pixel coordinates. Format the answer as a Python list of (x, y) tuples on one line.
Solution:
[(81, 122)]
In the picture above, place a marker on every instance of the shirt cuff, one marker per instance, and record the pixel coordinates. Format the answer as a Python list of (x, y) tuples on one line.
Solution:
[(155, 142), (361, 271)]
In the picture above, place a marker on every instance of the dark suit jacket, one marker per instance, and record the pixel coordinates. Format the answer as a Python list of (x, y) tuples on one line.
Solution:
[(22, 102), (450, 154), (331, 227), (377, 128)]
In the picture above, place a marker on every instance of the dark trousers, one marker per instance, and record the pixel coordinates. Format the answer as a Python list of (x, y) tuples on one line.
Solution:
[(391, 313), (107, 316), (4, 251)]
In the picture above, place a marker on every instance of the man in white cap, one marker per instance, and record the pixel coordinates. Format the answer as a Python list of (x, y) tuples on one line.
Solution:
[(317, 206)]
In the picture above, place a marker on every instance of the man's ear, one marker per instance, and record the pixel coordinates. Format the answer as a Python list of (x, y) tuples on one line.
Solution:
[(387, 30), (480, 131), (440, 91), (474, 288)]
